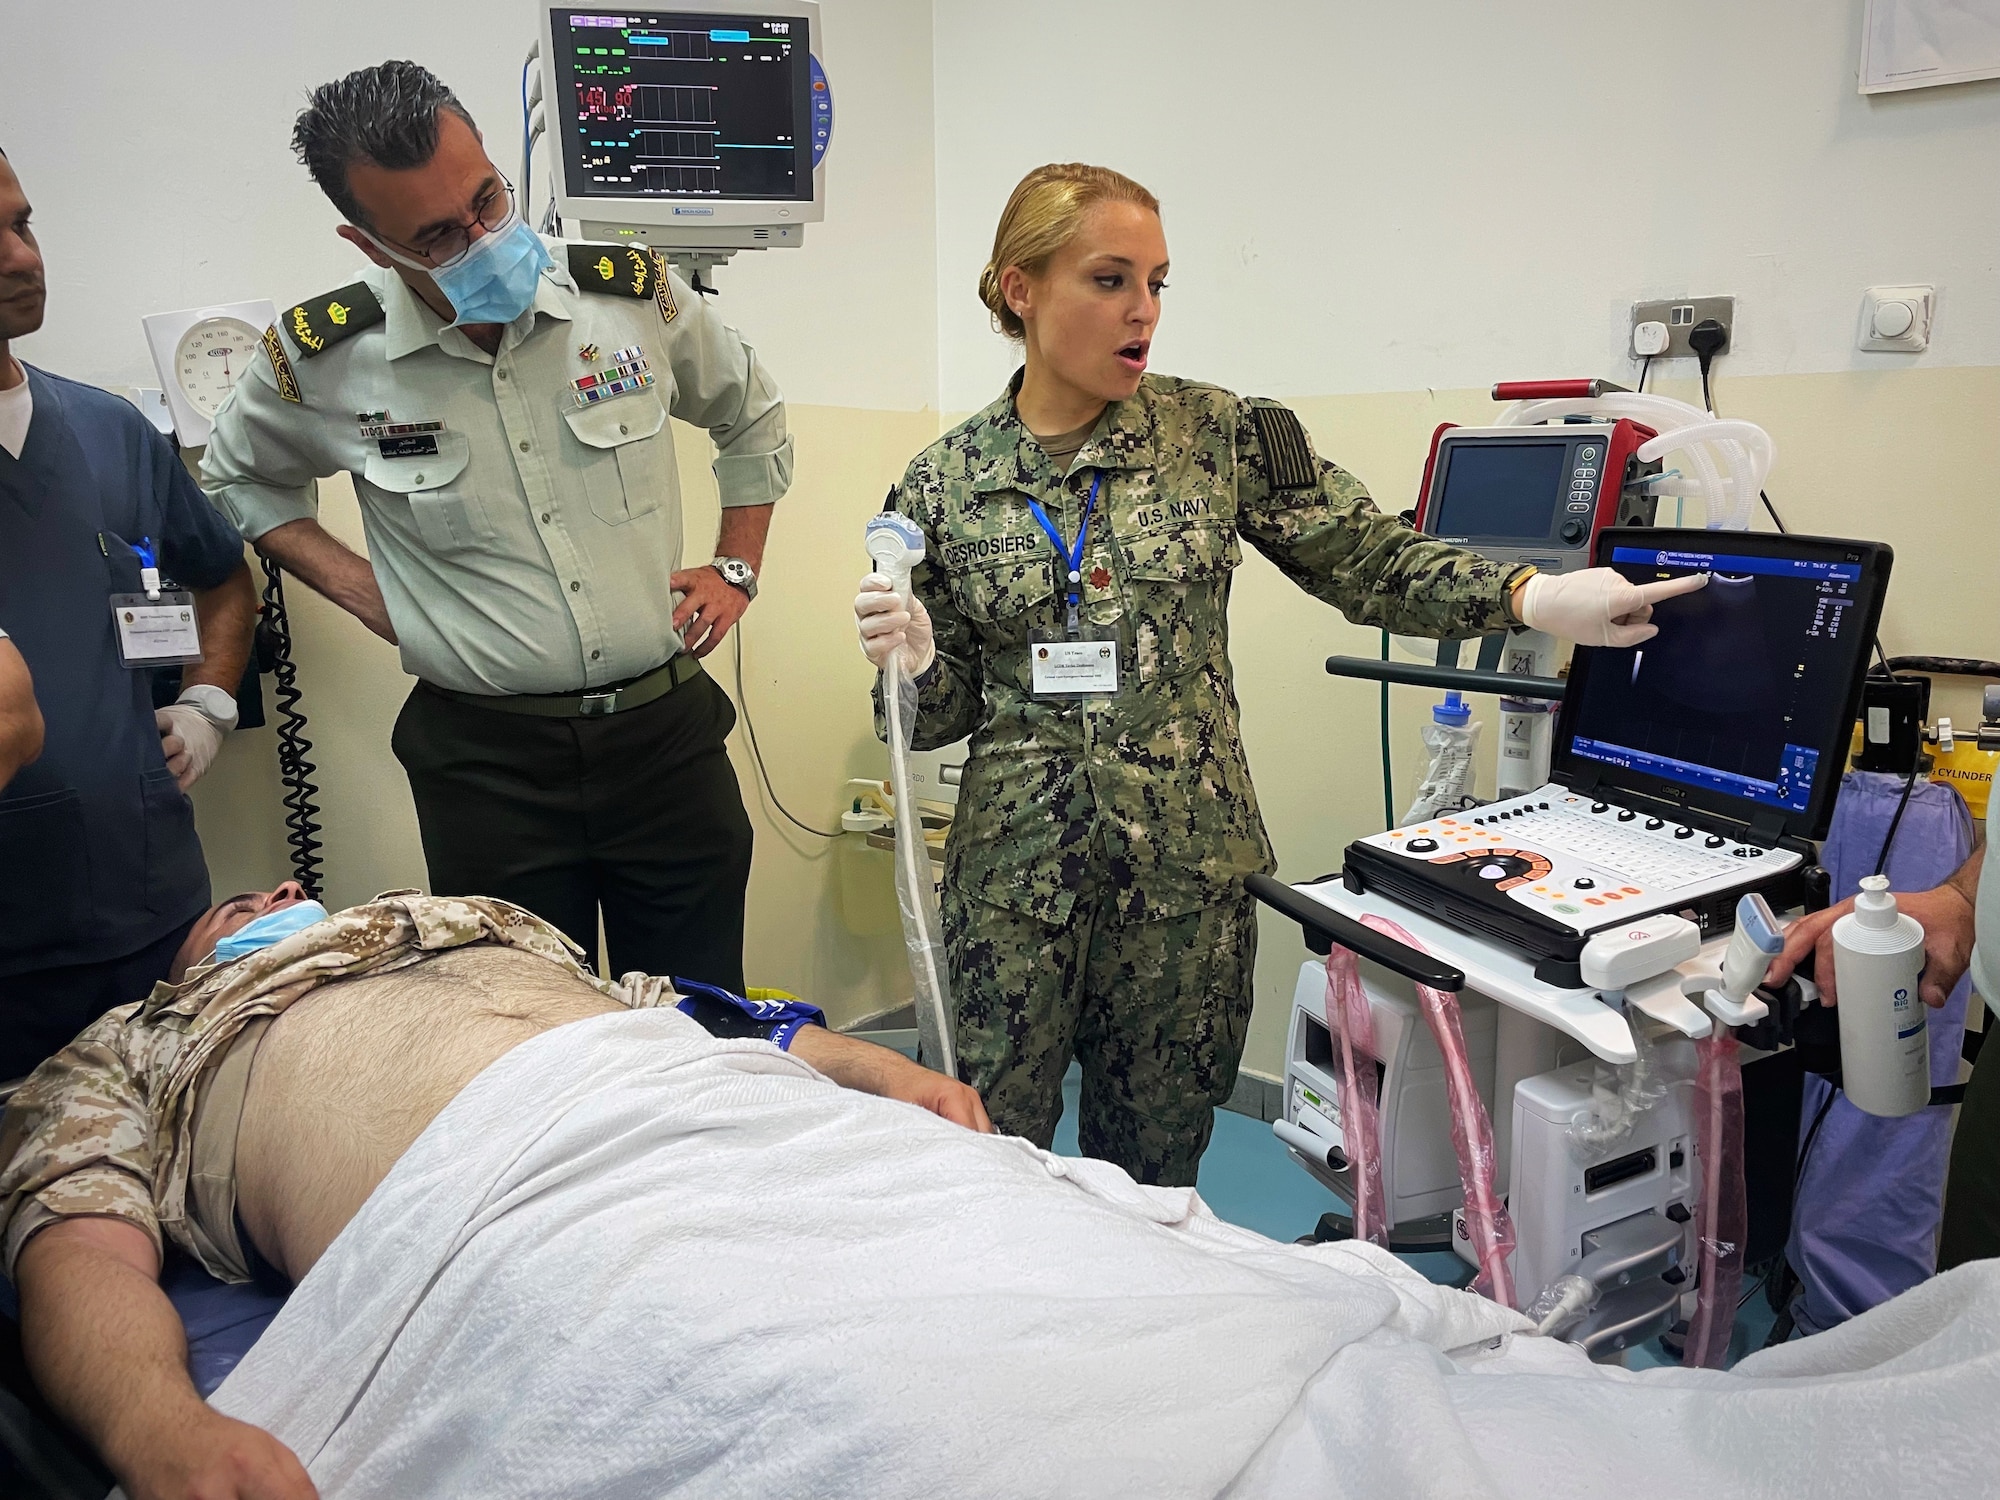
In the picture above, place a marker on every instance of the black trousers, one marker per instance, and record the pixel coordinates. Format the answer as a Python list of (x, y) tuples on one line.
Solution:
[(42, 1011), (637, 813)]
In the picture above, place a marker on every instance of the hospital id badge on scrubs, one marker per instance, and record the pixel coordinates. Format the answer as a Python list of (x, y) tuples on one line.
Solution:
[(160, 632), (1074, 667)]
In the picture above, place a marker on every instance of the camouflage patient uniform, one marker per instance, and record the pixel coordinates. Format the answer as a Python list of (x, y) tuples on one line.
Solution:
[(108, 1125), (1094, 903)]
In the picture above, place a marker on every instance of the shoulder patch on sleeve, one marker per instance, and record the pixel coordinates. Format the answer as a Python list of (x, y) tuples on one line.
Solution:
[(281, 367), (321, 322), (1288, 452), (663, 290), (617, 270)]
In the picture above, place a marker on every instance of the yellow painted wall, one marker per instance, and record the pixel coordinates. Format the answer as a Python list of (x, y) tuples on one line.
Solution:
[(1903, 456)]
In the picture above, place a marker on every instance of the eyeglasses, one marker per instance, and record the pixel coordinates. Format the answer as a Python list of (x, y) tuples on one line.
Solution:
[(446, 245)]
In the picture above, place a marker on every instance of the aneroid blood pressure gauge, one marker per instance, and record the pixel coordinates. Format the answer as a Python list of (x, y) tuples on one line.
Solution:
[(200, 353), (209, 358)]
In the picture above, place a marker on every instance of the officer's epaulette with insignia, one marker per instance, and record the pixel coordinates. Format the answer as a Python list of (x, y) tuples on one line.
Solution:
[(623, 271), (319, 323), (1289, 459), (281, 366)]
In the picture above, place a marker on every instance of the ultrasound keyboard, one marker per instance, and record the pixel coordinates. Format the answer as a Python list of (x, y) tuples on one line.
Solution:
[(1557, 864), (1658, 854)]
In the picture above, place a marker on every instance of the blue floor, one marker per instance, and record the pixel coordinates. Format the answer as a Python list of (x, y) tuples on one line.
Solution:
[(1249, 1178)]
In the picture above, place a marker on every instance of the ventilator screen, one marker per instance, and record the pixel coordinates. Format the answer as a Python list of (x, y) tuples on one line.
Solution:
[(1500, 492), (683, 104)]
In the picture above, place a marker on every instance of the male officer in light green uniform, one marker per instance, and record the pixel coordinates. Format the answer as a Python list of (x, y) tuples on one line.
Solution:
[(501, 403)]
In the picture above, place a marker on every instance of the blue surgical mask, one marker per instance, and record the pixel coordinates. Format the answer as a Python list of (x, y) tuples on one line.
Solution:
[(494, 281), (272, 927)]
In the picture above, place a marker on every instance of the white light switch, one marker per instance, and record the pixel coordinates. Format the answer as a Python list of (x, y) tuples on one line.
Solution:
[(1897, 319)]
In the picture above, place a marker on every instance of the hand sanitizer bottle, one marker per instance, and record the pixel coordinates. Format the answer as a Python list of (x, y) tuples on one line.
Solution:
[(1885, 1053)]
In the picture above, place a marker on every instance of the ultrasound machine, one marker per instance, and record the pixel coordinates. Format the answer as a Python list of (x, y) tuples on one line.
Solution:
[(1579, 918), (1684, 772)]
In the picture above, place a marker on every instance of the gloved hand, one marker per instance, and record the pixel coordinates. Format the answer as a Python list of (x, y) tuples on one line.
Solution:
[(189, 733), (1599, 606), (886, 625)]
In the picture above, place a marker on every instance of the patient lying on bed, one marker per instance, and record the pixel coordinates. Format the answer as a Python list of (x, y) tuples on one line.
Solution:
[(249, 1110), (563, 1242)]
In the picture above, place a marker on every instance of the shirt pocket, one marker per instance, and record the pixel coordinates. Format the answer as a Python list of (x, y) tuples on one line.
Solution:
[(45, 889), (627, 463), (448, 514), (1002, 596), (1180, 596)]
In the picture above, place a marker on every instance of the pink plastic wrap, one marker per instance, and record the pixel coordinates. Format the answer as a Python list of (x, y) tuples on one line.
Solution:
[(1486, 1218), (1721, 1216), (1349, 1018)]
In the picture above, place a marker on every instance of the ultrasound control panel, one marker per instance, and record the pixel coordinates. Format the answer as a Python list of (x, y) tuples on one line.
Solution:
[(1577, 861)]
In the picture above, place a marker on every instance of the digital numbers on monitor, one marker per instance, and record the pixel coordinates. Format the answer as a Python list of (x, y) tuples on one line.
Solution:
[(684, 104)]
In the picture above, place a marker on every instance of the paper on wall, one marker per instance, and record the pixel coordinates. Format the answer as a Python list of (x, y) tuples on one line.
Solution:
[(1913, 44)]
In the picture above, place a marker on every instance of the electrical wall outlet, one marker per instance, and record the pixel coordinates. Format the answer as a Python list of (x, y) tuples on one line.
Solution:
[(1680, 314)]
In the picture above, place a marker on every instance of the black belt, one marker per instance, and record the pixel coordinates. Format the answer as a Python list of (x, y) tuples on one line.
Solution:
[(616, 698)]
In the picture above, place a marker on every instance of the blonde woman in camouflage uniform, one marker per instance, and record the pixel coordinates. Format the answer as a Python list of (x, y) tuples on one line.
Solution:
[(1090, 519)]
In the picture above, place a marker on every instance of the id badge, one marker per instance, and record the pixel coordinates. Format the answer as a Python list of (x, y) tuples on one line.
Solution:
[(1072, 667), (160, 632)]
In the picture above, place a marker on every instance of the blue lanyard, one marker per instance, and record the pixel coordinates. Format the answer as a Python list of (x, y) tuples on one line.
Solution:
[(1072, 555)]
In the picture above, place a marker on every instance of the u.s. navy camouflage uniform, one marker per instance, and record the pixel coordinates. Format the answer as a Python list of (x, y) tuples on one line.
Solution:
[(1094, 873), (106, 1126)]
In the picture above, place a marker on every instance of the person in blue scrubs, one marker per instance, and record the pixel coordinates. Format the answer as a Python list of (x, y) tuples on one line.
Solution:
[(100, 870)]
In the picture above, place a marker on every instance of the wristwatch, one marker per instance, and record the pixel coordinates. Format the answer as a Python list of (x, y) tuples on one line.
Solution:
[(214, 704), (738, 573)]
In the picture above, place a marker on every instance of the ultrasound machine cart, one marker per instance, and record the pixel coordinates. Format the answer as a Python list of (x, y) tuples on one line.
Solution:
[(1683, 774)]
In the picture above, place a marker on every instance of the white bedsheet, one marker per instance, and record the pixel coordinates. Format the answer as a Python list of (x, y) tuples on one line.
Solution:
[(631, 1261)]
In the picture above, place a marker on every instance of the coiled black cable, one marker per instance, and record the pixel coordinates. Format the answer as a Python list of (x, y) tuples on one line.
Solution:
[(301, 797)]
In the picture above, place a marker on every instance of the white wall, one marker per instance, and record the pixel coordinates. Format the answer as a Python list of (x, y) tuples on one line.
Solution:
[(154, 141), (1364, 196)]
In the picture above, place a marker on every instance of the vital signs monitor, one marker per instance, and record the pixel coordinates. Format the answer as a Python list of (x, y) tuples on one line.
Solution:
[(688, 129)]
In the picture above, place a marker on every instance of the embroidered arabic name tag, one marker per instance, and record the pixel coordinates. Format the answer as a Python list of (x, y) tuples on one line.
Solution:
[(1075, 666), (416, 445), (156, 632)]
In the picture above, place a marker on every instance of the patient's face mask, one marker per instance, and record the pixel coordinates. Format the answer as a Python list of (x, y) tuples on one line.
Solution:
[(272, 927)]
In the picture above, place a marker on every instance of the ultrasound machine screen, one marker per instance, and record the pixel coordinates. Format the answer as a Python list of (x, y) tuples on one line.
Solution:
[(1748, 691)]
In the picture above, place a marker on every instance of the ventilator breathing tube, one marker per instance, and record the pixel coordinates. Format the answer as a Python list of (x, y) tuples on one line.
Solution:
[(1729, 459), (895, 545)]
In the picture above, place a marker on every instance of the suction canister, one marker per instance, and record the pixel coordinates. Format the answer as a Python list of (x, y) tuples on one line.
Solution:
[(1885, 1056)]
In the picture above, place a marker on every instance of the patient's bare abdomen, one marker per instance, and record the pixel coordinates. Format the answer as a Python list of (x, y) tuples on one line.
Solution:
[(348, 1077)]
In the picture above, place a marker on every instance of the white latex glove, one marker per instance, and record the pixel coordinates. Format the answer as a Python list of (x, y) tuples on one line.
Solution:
[(189, 735), (887, 624), (1599, 606)]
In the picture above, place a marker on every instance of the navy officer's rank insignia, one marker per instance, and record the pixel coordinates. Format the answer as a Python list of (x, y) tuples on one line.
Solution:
[(322, 321), (620, 270), (281, 367)]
